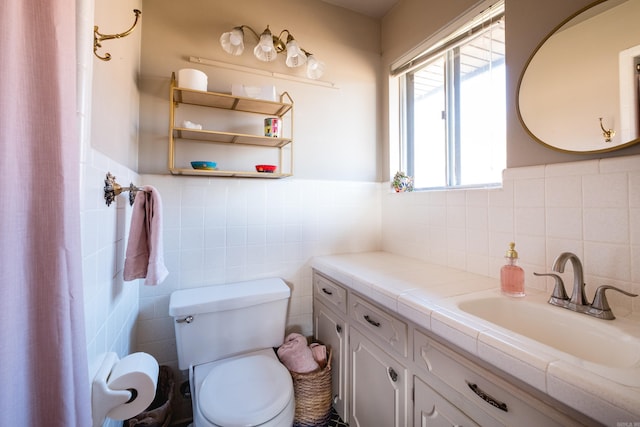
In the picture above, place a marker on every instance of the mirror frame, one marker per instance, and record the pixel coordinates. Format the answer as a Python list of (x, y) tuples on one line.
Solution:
[(524, 70)]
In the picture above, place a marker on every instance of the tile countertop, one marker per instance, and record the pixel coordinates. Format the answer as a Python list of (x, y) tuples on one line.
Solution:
[(426, 294)]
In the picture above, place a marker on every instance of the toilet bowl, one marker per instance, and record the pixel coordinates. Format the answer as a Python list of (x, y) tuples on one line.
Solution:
[(252, 389)]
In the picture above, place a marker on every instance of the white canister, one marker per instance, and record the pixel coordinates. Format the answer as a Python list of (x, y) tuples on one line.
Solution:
[(272, 127), (188, 78)]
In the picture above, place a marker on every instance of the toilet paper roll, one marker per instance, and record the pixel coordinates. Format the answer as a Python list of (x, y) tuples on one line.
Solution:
[(189, 78), (137, 372)]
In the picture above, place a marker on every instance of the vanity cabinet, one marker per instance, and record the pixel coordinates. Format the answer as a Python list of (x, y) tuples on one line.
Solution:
[(390, 372), (224, 135), (330, 328)]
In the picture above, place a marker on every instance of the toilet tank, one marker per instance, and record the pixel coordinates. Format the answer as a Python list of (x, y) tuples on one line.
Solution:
[(214, 322)]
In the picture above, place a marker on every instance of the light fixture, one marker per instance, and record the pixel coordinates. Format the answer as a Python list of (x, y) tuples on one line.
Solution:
[(265, 50), (315, 67), (269, 46), (233, 41), (295, 56)]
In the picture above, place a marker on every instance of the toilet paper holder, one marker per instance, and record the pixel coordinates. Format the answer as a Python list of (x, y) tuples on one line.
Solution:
[(112, 403)]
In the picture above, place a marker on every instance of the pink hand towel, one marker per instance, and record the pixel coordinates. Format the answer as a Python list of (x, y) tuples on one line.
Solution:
[(296, 355), (319, 352), (145, 252)]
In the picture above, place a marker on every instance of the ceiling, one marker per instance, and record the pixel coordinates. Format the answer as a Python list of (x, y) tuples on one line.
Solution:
[(372, 8)]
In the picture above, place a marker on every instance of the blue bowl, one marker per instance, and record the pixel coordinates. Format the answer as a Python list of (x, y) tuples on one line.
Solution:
[(204, 165)]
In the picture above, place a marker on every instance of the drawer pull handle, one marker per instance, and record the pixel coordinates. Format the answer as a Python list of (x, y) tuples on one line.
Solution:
[(487, 398), (393, 375), (326, 291), (371, 321), (339, 329)]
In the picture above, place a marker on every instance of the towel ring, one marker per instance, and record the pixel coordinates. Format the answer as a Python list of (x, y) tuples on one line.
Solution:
[(112, 189)]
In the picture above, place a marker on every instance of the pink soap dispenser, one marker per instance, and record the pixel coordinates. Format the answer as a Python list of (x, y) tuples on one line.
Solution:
[(511, 274)]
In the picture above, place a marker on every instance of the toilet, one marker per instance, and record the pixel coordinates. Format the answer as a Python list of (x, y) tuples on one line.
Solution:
[(225, 337)]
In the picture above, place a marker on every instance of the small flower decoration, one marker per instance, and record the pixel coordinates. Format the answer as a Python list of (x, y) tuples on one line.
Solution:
[(402, 182)]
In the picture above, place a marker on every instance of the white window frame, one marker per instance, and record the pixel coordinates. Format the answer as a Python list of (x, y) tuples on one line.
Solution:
[(484, 11)]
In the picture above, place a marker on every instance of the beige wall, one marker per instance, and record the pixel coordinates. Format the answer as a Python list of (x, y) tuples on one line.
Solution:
[(336, 129), (115, 95), (528, 23), (340, 133)]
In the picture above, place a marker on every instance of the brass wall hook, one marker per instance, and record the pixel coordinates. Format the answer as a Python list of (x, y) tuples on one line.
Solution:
[(98, 37), (607, 133)]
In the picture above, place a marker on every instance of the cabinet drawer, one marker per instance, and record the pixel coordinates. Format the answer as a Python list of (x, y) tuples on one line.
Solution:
[(431, 409), (330, 293), (483, 392), (387, 328)]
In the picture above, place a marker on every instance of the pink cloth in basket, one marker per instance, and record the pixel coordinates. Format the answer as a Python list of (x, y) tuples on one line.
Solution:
[(319, 352), (296, 355)]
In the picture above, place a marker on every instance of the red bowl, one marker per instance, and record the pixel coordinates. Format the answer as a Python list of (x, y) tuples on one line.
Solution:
[(266, 168)]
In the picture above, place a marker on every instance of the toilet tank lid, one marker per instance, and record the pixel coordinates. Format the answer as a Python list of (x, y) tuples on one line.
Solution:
[(227, 296)]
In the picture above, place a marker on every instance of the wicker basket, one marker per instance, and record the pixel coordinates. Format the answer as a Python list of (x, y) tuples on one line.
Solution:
[(313, 395)]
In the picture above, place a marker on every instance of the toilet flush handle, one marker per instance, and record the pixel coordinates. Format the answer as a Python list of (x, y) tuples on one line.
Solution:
[(187, 319)]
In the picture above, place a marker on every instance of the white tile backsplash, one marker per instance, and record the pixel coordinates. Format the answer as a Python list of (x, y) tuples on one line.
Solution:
[(609, 190), (563, 191), (590, 208)]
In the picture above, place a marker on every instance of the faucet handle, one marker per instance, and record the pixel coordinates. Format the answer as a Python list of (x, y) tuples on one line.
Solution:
[(559, 294), (600, 299)]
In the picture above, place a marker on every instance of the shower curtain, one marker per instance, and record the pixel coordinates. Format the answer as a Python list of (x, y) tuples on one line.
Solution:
[(43, 360)]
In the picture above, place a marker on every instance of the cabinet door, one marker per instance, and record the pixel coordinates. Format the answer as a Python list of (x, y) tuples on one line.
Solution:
[(330, 329), (378, 385), (432, 410)]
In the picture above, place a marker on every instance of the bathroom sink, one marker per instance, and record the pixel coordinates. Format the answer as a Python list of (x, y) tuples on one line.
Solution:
[(603, 347)]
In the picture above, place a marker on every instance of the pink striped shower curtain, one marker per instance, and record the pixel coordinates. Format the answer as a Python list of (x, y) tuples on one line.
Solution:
[(43, 360)]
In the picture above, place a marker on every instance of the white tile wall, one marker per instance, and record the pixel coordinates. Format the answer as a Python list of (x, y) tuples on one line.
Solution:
[(111, 305), (223, 230), (591, 208)]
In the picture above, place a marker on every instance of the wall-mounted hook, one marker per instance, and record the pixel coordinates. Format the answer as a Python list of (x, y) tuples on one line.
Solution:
[(112, 189), (607, 133), (99, 37)]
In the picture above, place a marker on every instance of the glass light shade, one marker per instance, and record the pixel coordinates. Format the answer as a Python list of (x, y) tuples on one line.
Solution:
[(233, 41), (295, 56), (265, 50), (315, 67)]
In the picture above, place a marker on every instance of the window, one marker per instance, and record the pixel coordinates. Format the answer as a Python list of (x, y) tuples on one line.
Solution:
[(454, 108)]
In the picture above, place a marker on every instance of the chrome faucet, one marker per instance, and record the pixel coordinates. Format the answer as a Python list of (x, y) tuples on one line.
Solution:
[(578, 296), (578, 302)]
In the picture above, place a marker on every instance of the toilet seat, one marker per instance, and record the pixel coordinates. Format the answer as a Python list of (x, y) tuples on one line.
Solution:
[(243, 391)]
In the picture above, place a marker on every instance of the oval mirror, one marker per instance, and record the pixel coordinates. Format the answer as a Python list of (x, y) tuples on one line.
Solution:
[(579, 91)]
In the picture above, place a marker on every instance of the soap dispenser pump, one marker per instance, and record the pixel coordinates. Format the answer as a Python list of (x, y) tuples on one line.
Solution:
[(511, 274)]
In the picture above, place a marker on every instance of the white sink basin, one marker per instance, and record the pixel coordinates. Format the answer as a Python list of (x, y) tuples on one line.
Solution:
[(602, 346)]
